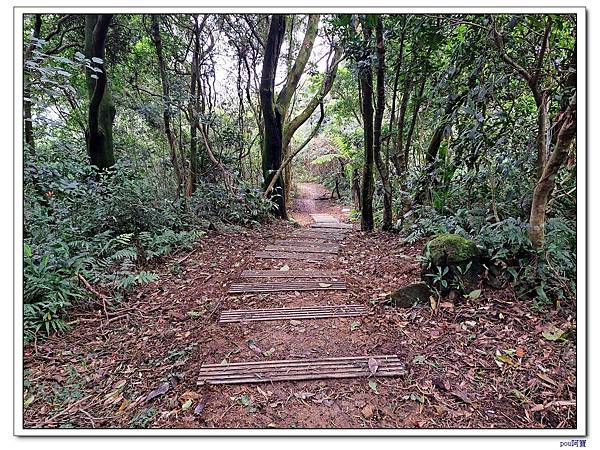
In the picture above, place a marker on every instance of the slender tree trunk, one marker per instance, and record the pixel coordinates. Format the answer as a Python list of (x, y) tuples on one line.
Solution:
[(378, 121), (101, 112), (192, 180), (27, 99), (413, 121), (546, 183), (356, 189), (156, 38), (366, 86), (272, 154)]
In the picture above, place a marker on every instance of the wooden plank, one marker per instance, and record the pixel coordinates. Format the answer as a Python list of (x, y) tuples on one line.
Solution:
[(336, 226), (319, 243), (294, 255), (302, 369), (310, 312), (238, 288), (291, 274), (292, 248), (317, 235), (324, 218)]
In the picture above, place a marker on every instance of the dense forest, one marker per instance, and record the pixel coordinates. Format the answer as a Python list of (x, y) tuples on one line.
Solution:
[(145, 133)]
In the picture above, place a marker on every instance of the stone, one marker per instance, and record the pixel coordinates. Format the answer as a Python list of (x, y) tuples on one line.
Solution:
[(367, 412), (407, 296), (450, 249)]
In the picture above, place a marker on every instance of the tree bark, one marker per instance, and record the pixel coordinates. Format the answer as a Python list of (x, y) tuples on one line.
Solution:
[(378, 121), (545, 185), (194, 106), (101, 111), (164, 78), (27, 100), (272, 154), (366, 85)]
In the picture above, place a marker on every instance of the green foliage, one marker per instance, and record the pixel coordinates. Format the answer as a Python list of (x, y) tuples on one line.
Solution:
[(106, 228)]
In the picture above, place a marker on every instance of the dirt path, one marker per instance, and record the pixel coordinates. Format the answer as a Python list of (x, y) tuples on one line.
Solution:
[(101, 373), (313, 198)]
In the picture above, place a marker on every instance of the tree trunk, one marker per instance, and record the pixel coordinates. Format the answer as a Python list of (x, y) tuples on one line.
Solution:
[(356, 189), (366, 85), (101, 112), (156, 38), (380, 105), (272, 154), (193, 112), (27, 100), (545, 185)]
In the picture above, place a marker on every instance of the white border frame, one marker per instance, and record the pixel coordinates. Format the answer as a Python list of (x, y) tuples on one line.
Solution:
[(582, 362)]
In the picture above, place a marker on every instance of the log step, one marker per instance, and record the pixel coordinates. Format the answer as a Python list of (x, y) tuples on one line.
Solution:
[(291, 274), (294, 255), (239, 288), (302, 369), (336, 226), (283, 248), (308, 312)]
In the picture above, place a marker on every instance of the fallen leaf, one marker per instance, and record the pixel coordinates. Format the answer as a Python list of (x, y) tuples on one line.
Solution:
[(325, 285), (447, 305), (373, 366), (367, 411), (373, 386), (198, 409), (160, 390), (186, 405), (462, 396), (252, 345), (519, 352), (189, 395), (269, 352), (553, 333), (354, 326), (474, 294), (29, 400), (272, 425), (245, 400), (285, 268)]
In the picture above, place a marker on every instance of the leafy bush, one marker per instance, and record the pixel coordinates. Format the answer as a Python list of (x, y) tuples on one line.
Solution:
[(106, 228)]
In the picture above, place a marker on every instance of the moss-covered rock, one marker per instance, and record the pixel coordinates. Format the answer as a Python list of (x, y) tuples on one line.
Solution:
[(407, 296), (452, 262), (451, 249)]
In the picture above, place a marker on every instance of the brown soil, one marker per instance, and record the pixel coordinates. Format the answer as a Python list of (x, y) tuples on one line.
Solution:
[(313, 198), (479, 363)]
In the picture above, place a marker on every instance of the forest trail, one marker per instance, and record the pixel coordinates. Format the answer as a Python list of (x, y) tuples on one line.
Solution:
[(140, 363), (314, 198)]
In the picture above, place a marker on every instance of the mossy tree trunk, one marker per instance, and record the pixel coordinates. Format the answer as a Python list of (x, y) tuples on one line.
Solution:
[(101, 111), (27, 100)]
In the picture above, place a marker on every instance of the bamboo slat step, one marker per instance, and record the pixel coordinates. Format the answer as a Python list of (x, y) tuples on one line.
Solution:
[(324, 218), (313, 234), (308, 312), (239, 288), (342, 226), (302, 369), (294, 255), (319, 243), (291, 274), (288, 248)]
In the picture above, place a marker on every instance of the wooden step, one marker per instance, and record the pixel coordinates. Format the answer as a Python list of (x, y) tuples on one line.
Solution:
[(288, 248), (239, 288), (307, 312), (313, 234), (295, 255), (291, 274), (324, 218), (302, 369), (319, 243), (335, 226)]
